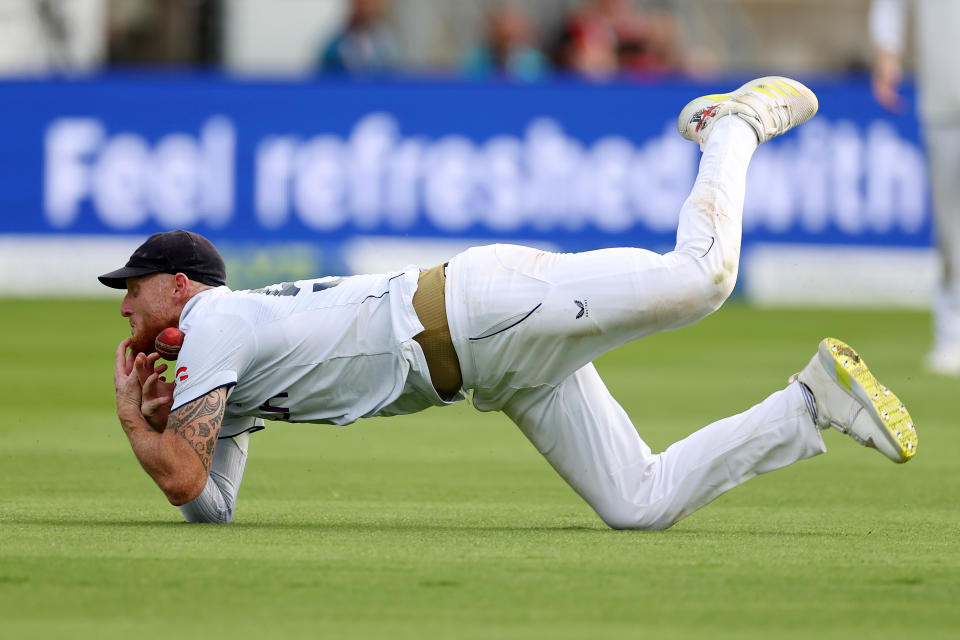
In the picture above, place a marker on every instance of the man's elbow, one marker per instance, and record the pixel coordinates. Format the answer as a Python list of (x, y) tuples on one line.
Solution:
[(213, 505), (182, 489)]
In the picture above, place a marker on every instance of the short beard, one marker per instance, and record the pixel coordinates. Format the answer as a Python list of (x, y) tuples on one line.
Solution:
[(143, 343)]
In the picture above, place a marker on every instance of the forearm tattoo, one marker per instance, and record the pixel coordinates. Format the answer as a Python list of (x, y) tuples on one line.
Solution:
[(199, 424)]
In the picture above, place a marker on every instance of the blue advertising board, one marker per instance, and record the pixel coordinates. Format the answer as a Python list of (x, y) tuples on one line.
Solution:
[(576, 164)]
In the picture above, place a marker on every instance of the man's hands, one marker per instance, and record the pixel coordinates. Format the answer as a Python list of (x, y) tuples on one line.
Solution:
[(140, 388), (126, 385), (157, 393), (175, 448), (887, 74)]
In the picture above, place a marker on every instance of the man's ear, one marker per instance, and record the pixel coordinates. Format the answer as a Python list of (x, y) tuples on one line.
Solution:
[(181, 287)]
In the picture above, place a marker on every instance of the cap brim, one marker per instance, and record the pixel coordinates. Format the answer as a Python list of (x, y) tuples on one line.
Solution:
[(118, 279)]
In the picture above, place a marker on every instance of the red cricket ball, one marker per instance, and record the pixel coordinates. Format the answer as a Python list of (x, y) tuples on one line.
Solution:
[(168, 343)]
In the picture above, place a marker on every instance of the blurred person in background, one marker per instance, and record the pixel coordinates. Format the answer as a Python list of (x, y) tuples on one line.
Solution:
[(937, 25), (508, 49), (365, 44), (605, 37), (145, 32), (44, 36), (649, 42)]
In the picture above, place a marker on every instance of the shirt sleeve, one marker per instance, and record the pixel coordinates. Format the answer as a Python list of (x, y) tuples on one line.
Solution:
[(888, 24), (233, 426), (215, 351), (219, 496)]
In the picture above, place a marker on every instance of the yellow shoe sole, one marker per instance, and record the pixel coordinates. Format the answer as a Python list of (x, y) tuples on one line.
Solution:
[(853, 375)]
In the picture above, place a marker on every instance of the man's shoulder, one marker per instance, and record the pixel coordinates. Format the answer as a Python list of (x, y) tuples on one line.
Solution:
[(203, 299), (218, 307)]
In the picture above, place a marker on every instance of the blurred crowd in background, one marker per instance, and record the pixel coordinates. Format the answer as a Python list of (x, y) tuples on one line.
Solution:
[(521, 40)]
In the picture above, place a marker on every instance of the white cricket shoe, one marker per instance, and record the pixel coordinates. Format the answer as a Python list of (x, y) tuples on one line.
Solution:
[(850, 399), (771, 105)]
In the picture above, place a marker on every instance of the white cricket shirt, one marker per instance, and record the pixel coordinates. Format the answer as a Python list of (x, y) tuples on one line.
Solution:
[(329, 350)]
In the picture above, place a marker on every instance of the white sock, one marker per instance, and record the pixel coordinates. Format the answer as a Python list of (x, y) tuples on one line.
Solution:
[(811, 403), (734, 132)]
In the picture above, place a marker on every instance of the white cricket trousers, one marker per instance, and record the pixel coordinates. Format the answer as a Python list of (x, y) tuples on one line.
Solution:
[(943, 153), (527, 324)]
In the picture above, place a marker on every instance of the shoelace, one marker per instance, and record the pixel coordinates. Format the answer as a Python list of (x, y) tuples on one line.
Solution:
[(783, 113)]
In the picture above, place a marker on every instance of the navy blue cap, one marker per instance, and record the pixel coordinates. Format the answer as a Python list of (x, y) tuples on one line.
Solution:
[(171, 252)]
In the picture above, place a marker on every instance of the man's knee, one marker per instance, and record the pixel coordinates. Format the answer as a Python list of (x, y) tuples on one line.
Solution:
[(632, 517), (721, 284), (619, 511), (702, 287)]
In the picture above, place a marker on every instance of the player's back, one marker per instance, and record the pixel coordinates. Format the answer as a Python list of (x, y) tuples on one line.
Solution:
[(327, 350)]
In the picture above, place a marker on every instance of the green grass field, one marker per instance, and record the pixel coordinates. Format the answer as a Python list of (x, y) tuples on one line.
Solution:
[(448, 524)]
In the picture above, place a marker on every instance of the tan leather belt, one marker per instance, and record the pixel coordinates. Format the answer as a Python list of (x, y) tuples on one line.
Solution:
[(430, 304)]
